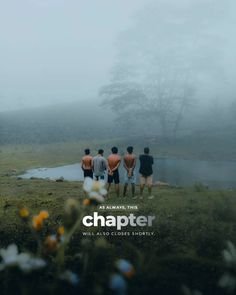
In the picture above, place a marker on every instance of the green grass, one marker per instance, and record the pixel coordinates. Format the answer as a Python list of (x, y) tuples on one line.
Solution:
[(192, 224)]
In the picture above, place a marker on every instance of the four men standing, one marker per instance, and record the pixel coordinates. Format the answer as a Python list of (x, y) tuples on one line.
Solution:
[(97, 166)]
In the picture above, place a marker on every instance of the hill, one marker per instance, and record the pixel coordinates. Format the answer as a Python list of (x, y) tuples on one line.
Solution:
[(58, 123)]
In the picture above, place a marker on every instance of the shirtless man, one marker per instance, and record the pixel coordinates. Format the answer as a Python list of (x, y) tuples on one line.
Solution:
[(129, 164), (86, 164), (113, 173)]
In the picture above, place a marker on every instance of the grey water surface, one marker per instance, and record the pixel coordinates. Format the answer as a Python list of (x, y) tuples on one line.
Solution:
[(177, 172)]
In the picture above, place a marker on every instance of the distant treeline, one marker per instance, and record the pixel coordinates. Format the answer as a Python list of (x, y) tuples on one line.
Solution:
[(53, 124), (73, 122)]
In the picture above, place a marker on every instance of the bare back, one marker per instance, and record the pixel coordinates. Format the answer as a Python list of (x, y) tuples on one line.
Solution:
[(87, 162), (113, 161), (129, 161)]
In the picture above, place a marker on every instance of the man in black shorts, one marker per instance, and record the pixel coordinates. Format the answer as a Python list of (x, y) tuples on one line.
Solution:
[(86, 164)]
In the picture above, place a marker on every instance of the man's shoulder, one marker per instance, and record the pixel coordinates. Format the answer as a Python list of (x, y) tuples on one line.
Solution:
[(87, 157), (114, 156), (129, 156)]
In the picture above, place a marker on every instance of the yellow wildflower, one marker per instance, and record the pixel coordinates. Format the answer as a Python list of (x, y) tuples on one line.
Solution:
[(61, 230), (86, 202), (38, 219), (37, 222), (43, 214), (24, 212)]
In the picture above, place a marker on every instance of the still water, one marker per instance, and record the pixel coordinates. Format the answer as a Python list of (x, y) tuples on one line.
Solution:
[(177, 172)]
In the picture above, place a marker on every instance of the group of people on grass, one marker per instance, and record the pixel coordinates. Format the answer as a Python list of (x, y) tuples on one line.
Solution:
[(97, 167)]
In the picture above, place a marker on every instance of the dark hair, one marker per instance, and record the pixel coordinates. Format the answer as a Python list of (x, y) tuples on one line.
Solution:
[(146, 150), (130, 149), (87, 151), (114, 150), (101, 151)]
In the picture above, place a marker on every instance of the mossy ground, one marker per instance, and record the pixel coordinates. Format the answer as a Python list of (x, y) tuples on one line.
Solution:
[(191, 228)]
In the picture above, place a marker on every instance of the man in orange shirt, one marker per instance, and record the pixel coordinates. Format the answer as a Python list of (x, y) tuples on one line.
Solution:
[(129, 165), (86, 164), (113, 173)]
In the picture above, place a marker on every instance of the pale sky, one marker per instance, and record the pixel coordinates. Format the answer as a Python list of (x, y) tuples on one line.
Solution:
[(58, 50)]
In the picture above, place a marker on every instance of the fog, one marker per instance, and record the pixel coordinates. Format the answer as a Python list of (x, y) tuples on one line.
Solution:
[(161, 69), (57, 51)]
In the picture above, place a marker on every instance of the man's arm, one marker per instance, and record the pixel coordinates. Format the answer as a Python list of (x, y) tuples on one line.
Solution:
[(108, 167), (82, 164), (125, 166), (135, 161), (105, 162), (117, 166), (93, 164)]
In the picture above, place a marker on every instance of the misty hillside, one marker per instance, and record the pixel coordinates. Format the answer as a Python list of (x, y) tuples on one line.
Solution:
[(63, 122), (211, 137)]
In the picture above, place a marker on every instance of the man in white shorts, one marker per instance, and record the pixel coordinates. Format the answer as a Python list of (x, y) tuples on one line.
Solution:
[(129, 165)]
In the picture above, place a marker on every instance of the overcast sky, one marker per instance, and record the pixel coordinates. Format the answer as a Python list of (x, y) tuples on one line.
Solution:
[(58, 50)]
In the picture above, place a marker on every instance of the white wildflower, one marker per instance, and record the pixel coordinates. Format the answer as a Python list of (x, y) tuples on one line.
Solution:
[(95, 189), (70, 277), (229, 254), (187, 291), (228, 281), (11, 257), (118, 284)]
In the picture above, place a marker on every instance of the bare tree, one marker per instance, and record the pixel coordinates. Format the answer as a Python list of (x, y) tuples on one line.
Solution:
[(160, 61)]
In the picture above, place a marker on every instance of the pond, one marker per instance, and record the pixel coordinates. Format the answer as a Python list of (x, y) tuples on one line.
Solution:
[(177, 172)]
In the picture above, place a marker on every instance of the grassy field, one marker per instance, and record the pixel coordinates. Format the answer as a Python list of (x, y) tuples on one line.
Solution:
[(191, 229)]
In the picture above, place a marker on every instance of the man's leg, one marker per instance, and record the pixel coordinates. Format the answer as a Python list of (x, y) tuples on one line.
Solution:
[(116, 178), (91, 174), (117, 190), (149, 183), (133, 189), (141, 189), (125, 189), (109, 182), (142, 184)]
